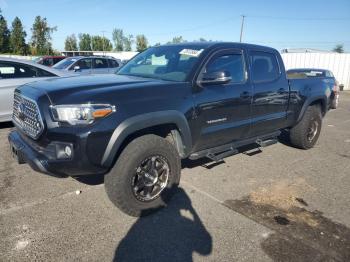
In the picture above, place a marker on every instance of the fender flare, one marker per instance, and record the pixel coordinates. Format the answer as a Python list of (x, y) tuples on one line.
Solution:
[(309, 101), (139, 122)]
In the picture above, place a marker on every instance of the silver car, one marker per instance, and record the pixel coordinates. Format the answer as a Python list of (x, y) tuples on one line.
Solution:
[(89, 65), (15, 72)]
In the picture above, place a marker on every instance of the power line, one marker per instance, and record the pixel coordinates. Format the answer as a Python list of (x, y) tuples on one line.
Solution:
[(300, 18), (301, 42)]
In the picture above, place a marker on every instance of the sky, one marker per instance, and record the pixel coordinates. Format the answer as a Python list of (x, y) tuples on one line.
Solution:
[(281, 24)]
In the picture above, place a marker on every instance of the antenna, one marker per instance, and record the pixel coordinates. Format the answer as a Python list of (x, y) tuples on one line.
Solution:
[(242, 26)]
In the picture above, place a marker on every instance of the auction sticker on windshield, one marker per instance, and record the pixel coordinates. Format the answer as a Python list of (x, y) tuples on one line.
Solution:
[(191, 52)]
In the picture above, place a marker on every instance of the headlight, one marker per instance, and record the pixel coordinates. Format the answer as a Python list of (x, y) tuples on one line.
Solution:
[(81, 114)]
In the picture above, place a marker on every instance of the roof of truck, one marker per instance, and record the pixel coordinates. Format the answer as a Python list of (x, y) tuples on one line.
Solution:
[(210, 44)]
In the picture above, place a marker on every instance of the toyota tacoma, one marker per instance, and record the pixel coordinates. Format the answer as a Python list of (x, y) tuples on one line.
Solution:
[(172, 102)]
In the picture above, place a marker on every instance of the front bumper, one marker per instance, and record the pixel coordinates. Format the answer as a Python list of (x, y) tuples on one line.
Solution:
[(43, 159)]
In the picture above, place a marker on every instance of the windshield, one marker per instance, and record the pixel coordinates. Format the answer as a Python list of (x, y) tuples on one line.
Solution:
[(63, 64), (172, 63)]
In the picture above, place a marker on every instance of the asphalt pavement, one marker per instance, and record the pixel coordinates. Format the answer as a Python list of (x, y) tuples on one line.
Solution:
[(274, 204)]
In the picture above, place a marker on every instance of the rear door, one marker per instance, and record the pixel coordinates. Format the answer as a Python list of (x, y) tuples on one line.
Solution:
[(224, 109), (271, 92), (100, 66)]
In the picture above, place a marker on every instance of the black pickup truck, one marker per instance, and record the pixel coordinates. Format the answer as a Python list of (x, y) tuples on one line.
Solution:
[(168, 103)]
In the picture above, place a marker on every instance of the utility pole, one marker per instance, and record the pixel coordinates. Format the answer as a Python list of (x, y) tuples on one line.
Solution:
[(242, 26)]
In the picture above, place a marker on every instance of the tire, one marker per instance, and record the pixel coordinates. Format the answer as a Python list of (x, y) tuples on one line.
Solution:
[(134, 167), (335, 101), (305, 134)]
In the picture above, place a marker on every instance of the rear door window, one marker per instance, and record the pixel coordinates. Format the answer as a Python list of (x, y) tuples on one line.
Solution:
[(264, 66), (100, 63), (113, 63), (44, 73)]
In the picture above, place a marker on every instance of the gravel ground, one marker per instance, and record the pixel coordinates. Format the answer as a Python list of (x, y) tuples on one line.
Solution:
[(282, 204)]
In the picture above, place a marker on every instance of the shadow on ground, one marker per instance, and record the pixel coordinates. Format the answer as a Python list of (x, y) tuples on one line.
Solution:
[(299, 234), (172, 234)]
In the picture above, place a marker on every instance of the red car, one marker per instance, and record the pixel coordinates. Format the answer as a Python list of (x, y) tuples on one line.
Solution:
[(49, 60)]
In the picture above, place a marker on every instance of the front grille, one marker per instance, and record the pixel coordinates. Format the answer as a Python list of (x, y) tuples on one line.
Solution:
[(26, 116)]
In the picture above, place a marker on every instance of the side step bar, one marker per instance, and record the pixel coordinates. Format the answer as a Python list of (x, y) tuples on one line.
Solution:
[(218, 153), (265, 143)]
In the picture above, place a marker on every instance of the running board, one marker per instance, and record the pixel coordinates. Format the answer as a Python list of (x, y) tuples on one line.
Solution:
[(222, 155), (218, 153), (265, 143)]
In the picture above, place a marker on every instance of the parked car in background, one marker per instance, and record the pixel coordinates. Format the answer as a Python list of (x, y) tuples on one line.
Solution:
[(328, 77), (89, 65), (15, 72), (48, 60)]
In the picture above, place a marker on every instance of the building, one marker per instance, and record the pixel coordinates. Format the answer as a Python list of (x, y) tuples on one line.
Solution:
[(338, 63)]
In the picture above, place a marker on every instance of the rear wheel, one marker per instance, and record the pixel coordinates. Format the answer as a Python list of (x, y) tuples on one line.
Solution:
[(145, 176), (305, 134)]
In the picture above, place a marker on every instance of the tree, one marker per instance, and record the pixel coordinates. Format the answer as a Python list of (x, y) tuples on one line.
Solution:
[(70, 44), (85, 42), (4, 35), (157, 44), (99, 43), (201, 39), (18, 38), (118, 39), (176, 40), (141, 43), (41, 36), (339, 48), (128, 41)]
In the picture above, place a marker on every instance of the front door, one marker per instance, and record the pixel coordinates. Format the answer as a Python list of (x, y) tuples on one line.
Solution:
[(83, 66), (223, 110)]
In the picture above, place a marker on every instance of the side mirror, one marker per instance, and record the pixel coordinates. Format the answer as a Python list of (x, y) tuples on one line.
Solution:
[(76, 68), (215, 78)]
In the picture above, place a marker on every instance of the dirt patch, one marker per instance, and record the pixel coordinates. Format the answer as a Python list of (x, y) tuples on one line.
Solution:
[(283, 195), (281, 208)]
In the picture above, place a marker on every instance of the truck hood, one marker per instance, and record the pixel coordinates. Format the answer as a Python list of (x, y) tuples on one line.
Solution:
[(65, 89)]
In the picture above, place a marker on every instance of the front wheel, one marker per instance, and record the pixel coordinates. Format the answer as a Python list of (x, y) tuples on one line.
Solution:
[(145, 175), (305, 134)]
